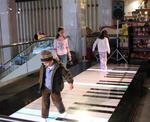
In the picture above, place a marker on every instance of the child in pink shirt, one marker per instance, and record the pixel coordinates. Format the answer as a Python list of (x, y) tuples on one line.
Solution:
[(61, 46)]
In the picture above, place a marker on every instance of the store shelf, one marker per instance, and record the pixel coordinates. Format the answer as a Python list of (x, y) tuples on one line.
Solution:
[(142, 49), (139, 40)]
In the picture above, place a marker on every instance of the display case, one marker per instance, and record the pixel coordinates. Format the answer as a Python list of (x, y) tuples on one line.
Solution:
[(139, 40)]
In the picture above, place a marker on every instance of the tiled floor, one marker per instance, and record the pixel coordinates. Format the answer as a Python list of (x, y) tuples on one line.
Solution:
[(94, 98)]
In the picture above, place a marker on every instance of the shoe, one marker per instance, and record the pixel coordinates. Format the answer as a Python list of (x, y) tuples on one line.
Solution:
[(63, 114), (44, 120)]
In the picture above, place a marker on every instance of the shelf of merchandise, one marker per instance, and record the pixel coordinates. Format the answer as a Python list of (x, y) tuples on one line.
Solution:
[(141, 40)]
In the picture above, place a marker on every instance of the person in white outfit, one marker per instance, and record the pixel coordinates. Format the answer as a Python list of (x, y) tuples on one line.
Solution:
[(102, 44)]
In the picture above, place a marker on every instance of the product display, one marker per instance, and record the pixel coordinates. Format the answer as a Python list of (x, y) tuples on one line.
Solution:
[(139, 40)]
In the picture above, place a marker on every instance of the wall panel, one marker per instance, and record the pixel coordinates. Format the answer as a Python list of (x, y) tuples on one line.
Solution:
[(34, 16)]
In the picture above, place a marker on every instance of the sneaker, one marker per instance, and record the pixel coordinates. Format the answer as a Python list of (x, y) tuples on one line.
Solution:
[(44, 120)]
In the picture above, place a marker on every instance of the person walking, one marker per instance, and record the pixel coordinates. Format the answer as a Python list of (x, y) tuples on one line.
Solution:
[(102, 44), (51, 82), (61, 46)]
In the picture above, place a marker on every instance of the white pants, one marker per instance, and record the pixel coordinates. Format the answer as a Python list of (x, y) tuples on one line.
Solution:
[(103, 60)]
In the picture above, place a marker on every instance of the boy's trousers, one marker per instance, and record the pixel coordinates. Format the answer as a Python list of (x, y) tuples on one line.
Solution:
[(57, 100)]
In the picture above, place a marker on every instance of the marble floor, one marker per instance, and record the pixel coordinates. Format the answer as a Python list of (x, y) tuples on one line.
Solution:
[(95, 96)]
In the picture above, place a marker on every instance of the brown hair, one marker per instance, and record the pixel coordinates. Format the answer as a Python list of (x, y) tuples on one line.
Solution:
[(58, 30), (46, 55)]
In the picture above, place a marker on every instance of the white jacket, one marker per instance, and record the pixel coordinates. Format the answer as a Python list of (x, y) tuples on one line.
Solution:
[(102, 44)]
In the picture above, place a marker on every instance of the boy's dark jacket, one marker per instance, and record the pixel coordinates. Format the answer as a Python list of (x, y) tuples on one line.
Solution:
[(60, 73)]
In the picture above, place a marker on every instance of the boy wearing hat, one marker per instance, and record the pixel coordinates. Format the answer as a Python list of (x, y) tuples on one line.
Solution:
[(51, 82)]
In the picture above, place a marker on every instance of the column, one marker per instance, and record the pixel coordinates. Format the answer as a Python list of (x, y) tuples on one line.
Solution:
[(7, 28), (13, 25), (71, 23), (5, 32)]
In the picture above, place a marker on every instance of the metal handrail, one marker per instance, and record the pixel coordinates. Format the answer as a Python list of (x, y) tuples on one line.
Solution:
[(25, 43)]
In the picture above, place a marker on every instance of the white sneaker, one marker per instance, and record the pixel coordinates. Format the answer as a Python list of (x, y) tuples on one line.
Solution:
[(64, 114), (43, 120), (46, 120)]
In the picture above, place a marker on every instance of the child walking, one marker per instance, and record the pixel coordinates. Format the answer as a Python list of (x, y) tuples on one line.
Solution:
[(51, 82), (61, 46), (103, 48)]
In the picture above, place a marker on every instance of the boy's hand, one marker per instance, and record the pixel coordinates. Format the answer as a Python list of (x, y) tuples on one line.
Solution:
[(70, 86)]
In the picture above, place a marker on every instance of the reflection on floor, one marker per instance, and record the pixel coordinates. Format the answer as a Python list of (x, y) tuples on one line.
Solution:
[(94, 98)]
